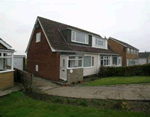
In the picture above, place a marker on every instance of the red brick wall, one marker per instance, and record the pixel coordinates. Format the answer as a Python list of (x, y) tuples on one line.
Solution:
[(40, 54), (119, 49)]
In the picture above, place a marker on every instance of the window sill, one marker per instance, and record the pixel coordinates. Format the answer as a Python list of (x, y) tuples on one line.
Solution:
[(88, 67), (79, 42), (6, 71), (75, 68)]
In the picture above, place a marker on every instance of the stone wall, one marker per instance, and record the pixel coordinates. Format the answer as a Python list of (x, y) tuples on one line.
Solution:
[(6, 80), (75, 76)]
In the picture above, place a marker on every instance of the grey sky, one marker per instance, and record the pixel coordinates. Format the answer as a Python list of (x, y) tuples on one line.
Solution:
[(126, 20)]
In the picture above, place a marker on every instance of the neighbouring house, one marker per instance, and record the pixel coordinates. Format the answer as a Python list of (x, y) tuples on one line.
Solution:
[(144, 58), (58, 51), (19, 62), (129, 54), (6, 71)]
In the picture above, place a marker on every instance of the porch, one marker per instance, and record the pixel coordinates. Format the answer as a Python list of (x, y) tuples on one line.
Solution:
[(6, 68)]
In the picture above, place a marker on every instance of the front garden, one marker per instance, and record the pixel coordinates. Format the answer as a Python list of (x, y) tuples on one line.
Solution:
[(19, 105)]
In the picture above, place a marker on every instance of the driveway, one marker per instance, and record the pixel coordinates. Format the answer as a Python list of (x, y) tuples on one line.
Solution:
[(127, 92)]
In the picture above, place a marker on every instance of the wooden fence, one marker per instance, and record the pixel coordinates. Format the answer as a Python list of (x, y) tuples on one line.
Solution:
[(24, 78)]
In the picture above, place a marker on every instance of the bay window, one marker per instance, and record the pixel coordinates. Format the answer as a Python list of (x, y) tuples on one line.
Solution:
[(88, 61), (79, 37), (105, 60), (75, 61)]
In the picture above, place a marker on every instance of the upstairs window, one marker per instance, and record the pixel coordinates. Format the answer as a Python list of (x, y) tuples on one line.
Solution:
[(131, 51), (38, 37), (99, 42), (79, 37), (128, 50)]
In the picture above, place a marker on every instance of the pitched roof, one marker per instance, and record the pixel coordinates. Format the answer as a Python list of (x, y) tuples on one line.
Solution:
[(4, 43), (144, 54), (123, 43), (57, 41)]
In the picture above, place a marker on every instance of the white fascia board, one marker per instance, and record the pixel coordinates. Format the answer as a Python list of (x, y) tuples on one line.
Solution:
[(118, 42), (5, 44), (37, 20)]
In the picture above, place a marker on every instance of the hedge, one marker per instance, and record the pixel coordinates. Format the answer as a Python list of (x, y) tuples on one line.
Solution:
[(137, 70)]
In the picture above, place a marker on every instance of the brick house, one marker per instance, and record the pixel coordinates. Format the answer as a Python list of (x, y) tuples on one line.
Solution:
[(129, 54), (57, 51)]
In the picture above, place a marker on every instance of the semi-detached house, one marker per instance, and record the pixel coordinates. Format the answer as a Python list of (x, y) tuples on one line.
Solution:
[(57, 51)]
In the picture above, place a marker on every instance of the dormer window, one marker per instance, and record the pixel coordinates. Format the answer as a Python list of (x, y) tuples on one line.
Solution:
[(79, 37), (38, 37), (99, 42)]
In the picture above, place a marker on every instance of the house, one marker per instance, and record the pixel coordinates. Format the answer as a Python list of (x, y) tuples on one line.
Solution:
[(144, 58), (129, 54), (58, 51), (19, 62), (6, 72)]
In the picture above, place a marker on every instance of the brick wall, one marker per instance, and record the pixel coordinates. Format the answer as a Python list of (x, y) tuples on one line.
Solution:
[(6, 80), (119, 49), (40, 54), (75, 76)]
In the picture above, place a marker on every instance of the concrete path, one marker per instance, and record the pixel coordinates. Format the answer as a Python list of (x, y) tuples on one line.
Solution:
[(15, 88), (127, 92)]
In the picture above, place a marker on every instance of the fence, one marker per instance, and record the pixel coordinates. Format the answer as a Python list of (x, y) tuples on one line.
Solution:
[(24, 78)]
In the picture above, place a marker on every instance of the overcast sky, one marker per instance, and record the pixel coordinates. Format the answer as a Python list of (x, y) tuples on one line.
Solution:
[(126, 20)]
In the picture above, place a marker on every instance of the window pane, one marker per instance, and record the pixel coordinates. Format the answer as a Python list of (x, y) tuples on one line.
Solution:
[(80, 37), (80, 63), (74, 63), (71, 63), (87, 61), (63, 62), (72, 57), (115, 60), (92, 61), (99, 42)]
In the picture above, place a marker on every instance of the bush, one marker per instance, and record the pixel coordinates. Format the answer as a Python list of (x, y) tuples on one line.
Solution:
[(137, 70)]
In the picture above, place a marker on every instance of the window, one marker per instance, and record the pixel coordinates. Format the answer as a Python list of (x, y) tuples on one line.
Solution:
[(131, 51), (105, 61), (37, 68), (63, 62), (38, 37), (116, 60), (75, 61), (99, 42), (80, 37), (88, 61), (128, 50)]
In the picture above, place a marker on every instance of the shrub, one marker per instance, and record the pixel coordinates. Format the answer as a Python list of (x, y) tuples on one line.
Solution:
[(137, 70)]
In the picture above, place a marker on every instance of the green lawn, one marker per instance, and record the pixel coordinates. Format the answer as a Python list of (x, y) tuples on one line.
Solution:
[(19, 105), (119, 80)]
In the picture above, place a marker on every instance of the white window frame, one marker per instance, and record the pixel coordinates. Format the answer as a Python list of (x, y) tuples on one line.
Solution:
[(74, 59), (36, 68), (132, 51), (38, 37), (105, 59), (73, 37), (99, 39), (91, 62), (128, 50)]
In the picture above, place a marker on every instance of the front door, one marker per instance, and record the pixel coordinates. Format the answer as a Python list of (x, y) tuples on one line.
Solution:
[(63, 67)]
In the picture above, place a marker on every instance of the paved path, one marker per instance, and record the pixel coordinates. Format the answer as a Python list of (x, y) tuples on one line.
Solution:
[(128, 92), (15, 88)]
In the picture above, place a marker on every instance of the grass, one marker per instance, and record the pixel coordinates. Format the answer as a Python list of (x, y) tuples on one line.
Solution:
[(19, 105), (119, 80)]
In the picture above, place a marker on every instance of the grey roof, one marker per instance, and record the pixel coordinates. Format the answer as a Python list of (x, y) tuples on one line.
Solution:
[(51, 29), (123, 43), (144, 54)]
